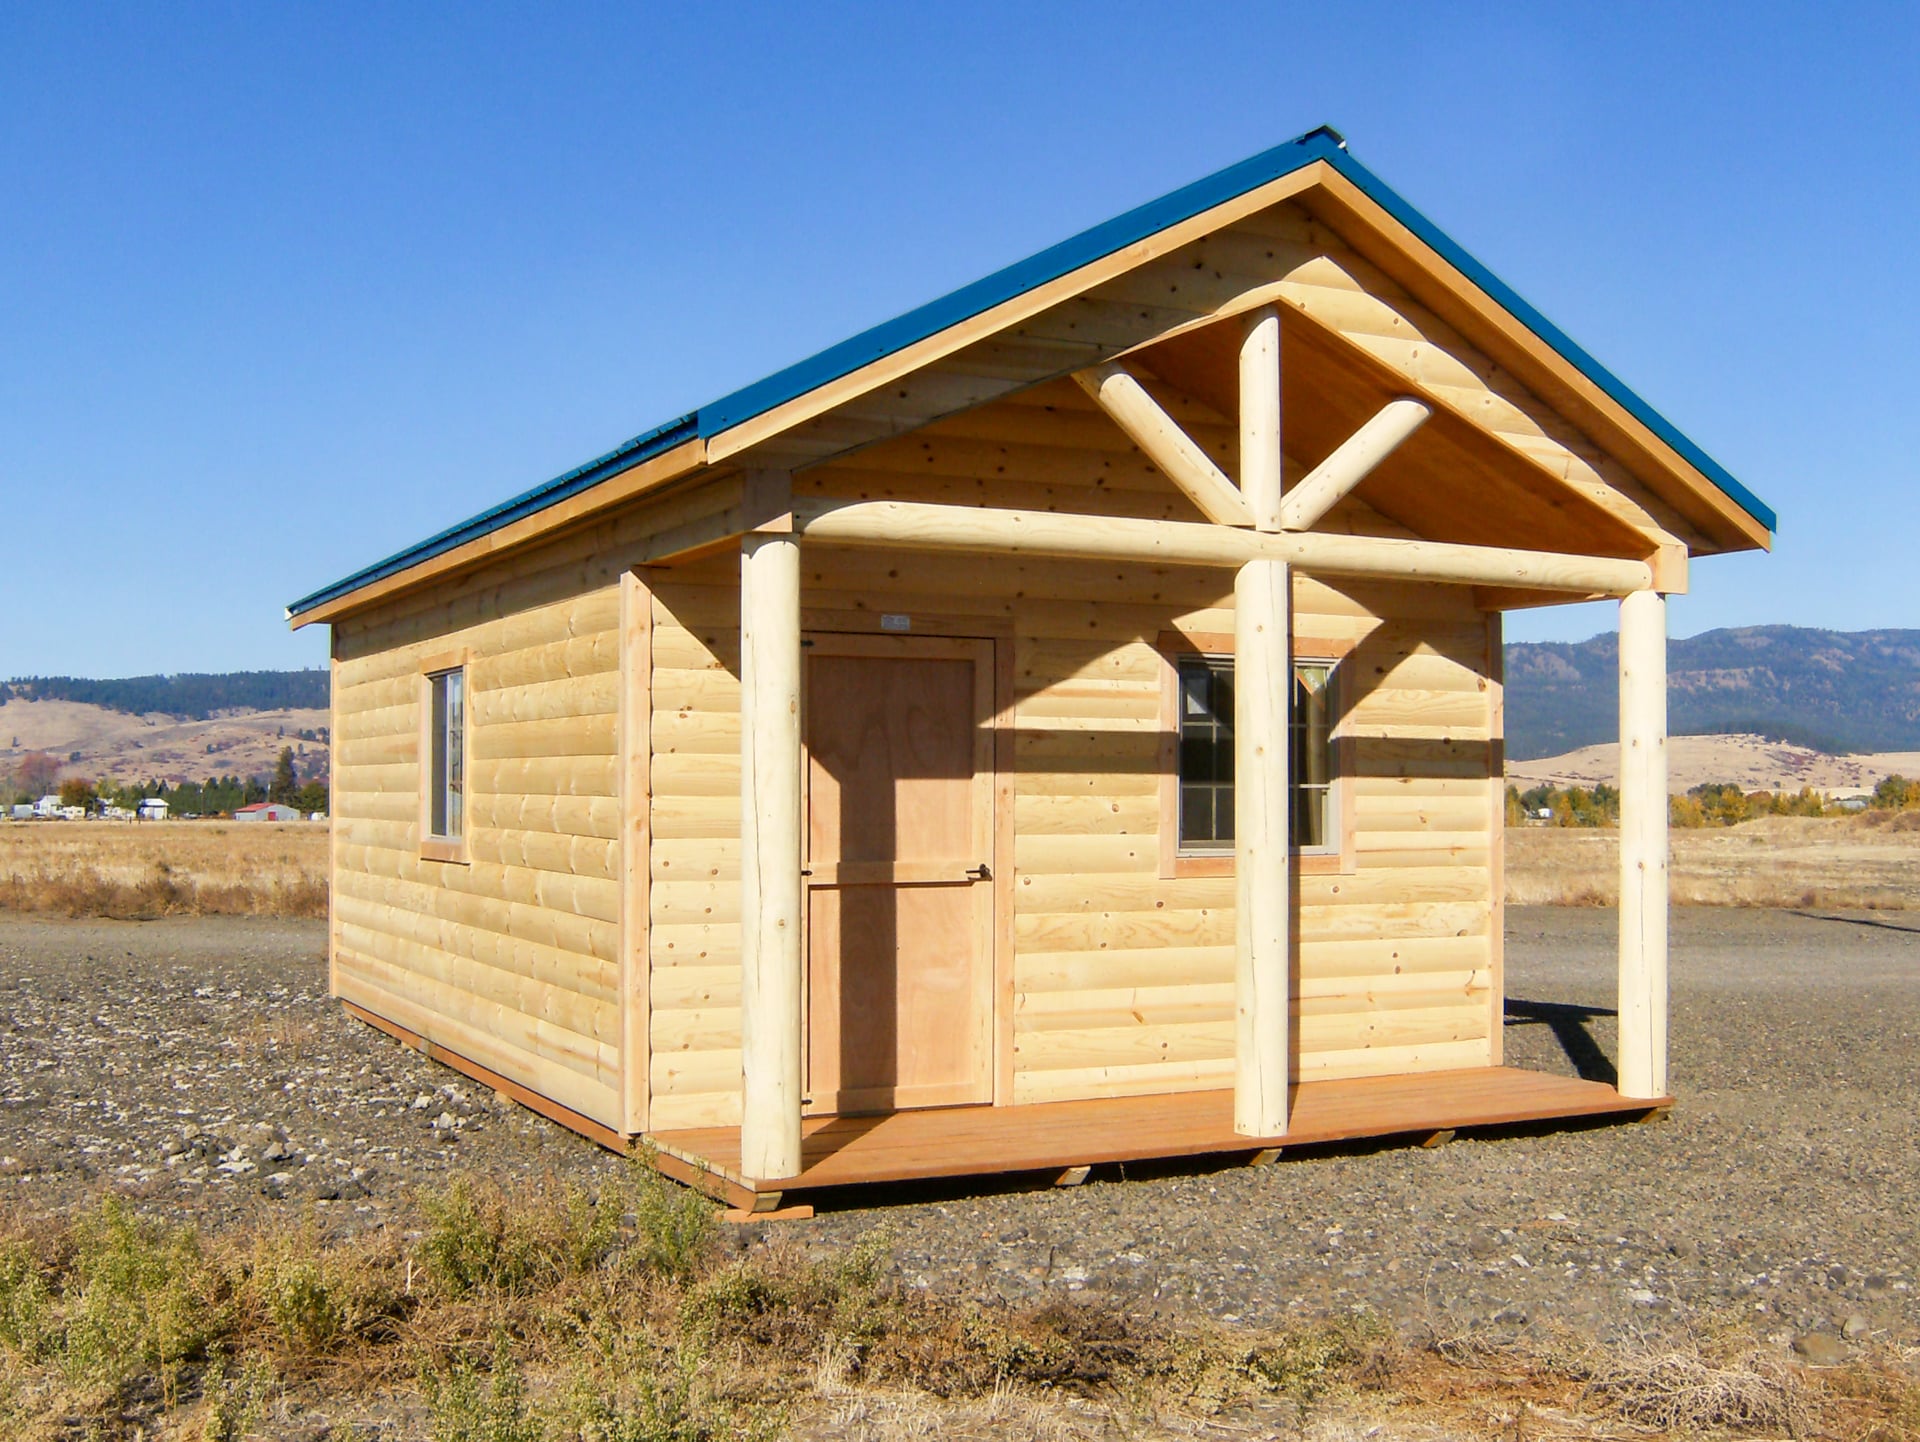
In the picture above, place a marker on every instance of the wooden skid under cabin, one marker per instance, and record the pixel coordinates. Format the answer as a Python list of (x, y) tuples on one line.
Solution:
[(1060, 727)]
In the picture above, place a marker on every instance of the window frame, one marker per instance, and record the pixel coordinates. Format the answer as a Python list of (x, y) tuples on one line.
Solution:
[(433, 846), (1336, 858)]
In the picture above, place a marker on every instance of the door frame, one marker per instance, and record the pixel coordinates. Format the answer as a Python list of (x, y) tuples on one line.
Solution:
[(822, 624)]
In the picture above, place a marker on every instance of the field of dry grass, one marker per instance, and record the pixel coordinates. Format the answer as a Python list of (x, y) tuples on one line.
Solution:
[(626, 1317), (1868, 862), (170, 868)]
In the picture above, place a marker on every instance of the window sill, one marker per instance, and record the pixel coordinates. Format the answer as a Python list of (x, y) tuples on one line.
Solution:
[(436, 848), (1310, 863)]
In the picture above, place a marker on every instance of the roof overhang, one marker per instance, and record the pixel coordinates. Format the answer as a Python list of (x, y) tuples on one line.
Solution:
[(1315, 170)]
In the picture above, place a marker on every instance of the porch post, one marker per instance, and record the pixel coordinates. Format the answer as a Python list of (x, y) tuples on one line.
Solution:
[(770, 851), (1262, 805), (1643, 844)]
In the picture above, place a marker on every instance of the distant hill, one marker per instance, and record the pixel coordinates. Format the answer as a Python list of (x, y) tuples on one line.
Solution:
[(189, 696), (1834, 691)]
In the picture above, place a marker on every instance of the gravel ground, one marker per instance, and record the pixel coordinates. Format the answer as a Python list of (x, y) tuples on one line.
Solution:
[(199, 1066)]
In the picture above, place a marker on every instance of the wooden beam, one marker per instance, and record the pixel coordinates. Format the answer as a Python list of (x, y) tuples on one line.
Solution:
[(1163, 442), (1351, 463), (770, 856), (759, 501), (1260, 461), (1643, 845), (1263, 875), (635, 719), (909, 525)]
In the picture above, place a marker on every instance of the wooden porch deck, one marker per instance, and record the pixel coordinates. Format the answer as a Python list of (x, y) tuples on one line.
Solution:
[(1061, 1136)]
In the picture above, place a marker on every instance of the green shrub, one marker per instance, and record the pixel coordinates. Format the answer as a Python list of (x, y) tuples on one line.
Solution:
[(589, 1231), (776, 1302), (147, 1299), (315, 1297), (469, 1405), (674, 1225), (635, 1395), (1302, 1364), (476, 1241), (28, 1326), (236, 1405)]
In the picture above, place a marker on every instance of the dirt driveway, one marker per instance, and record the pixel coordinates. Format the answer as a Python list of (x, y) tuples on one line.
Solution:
[(199, 1067)]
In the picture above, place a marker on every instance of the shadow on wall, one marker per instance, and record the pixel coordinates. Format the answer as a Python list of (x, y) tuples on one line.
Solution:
[(1569, 1026)]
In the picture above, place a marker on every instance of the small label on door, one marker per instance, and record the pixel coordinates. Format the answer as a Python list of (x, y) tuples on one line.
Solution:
[(894, 621)]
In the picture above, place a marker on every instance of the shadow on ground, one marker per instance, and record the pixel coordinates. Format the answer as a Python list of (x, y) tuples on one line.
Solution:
[(1568, 1023)]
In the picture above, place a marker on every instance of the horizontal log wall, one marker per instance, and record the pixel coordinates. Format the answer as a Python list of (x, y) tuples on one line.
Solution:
[(512, 959)]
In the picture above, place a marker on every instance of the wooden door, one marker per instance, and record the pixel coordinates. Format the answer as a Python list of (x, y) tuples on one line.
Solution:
[(899, 881)]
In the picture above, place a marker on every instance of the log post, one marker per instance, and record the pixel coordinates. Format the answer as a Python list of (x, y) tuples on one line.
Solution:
[(1262, 801), (770, 856), (1260, 461), (1643, 845)]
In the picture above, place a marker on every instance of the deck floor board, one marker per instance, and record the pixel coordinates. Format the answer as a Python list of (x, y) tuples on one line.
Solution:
[(983, 1140)]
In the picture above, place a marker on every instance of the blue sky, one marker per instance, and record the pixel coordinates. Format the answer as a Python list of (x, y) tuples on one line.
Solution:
[(284, 288)]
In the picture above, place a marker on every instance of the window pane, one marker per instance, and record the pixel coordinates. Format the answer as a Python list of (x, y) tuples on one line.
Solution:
[(1310, 818), (1195, 690), (1221, 674), (1206, 753), (1196, 758), (437, 765), (1196, 815), (446, 766), (456, 753)]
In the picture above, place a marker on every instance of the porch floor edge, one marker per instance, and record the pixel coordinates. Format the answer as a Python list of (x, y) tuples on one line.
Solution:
[(949, 1142)]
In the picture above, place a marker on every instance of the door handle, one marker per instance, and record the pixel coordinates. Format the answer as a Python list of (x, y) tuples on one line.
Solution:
[(982, 872)]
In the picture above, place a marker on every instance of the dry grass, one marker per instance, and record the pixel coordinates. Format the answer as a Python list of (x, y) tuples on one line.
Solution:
[(171, 868), (625, 1318), (1866, 862)]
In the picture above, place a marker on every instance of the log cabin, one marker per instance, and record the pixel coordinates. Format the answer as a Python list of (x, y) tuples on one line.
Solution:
[(1059, 726)]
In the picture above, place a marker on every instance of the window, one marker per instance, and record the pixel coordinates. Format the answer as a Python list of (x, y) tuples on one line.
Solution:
[(1206, 755), (447, 761)]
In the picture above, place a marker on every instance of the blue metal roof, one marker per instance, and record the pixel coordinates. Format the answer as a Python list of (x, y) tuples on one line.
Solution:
[(1050, 264)]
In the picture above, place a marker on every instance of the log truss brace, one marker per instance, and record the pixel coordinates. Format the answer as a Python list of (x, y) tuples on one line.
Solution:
[(1119, 393)]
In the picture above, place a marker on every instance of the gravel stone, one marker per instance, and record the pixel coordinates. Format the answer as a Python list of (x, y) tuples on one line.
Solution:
[(199, 1068), (1822, 1349)]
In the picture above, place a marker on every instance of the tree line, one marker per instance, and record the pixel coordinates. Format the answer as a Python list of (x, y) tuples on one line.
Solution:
[(37, 774), (190, 695), (1712, 803)]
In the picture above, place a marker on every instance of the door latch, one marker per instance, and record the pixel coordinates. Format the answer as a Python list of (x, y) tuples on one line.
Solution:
[(982, 872)]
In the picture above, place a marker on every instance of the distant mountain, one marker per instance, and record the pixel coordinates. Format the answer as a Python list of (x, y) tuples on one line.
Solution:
[(1833, 691), (188, 696)]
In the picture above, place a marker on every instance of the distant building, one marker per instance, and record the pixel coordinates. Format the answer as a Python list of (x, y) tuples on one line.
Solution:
[(267, 811), (22, 812), (153, 809), (47, 808)]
